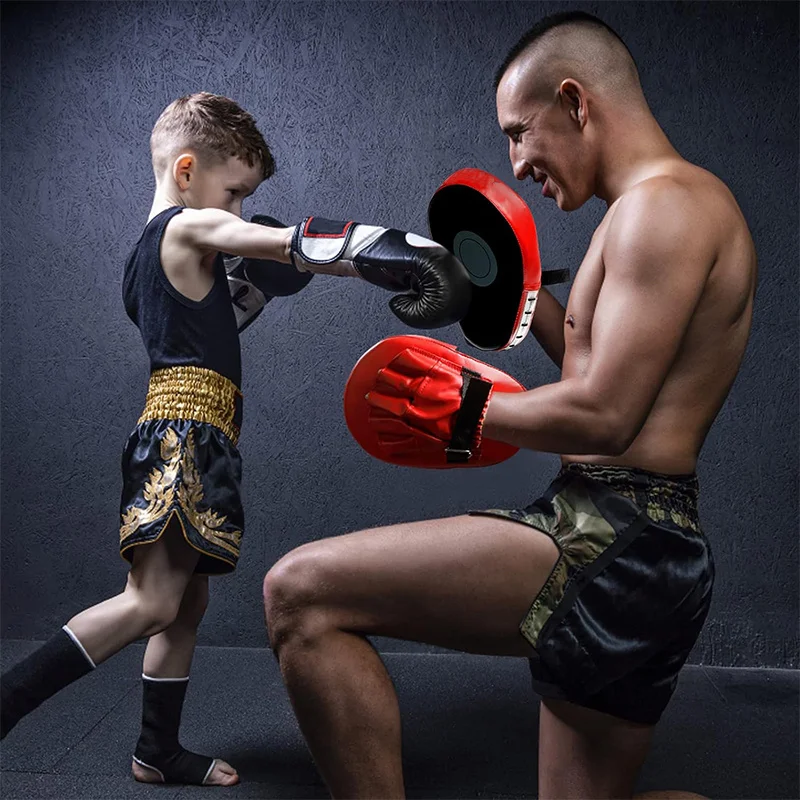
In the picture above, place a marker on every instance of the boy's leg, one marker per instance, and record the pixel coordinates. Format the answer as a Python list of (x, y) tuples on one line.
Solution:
[(159, 755), (169, 653), (149, 603)]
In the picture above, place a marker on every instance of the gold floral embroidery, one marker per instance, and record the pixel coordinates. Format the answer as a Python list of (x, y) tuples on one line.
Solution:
[(190, 494), (159, 490)]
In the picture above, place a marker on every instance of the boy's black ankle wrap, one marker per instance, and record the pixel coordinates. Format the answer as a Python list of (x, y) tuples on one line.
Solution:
[(57, 663), (158, 747)]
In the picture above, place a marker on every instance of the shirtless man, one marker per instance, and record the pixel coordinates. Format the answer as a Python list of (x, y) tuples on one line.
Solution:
[(604, 582)]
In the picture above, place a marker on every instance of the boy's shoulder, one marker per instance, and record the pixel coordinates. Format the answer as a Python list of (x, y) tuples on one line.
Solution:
[(191, 223)]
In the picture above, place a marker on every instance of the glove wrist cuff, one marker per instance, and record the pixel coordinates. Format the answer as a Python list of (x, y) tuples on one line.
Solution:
[(329, 247)]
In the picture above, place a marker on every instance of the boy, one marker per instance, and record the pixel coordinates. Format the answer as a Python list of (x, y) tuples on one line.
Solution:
[(181, 512)]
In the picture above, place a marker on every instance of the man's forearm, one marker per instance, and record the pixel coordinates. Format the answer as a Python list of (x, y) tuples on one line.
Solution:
[(556, 418), (547, 326)]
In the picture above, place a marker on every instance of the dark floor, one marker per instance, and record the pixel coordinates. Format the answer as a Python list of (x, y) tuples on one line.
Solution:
[(469, 731)]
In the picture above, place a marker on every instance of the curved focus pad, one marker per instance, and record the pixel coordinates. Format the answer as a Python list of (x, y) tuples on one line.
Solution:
[(490, 229), (418, 402)]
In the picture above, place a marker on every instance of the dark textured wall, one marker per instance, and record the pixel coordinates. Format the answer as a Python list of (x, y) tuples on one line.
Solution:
[(368, 106)]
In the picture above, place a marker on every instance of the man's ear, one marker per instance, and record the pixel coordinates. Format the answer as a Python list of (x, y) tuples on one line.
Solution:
[(573, 95), (183, 170)]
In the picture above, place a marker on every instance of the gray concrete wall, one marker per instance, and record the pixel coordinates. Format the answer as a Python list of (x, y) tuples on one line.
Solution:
[(368, 106)]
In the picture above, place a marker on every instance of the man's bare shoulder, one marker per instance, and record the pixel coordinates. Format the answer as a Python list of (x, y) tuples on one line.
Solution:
[(672, 195), (657, 218)]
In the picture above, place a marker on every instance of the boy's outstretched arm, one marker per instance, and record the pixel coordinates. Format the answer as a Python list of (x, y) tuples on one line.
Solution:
[(434, 286), (214, 230)]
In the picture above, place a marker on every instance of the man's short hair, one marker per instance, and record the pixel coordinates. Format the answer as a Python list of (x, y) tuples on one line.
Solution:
[(213, 126), (543, 26)]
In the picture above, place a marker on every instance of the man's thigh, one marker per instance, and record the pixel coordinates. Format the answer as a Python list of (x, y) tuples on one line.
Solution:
[(463, 582)]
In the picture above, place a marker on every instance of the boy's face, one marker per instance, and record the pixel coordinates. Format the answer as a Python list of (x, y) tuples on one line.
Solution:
[(222, 185)]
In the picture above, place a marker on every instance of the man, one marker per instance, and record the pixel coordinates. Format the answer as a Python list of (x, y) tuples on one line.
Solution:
[(603, 583)]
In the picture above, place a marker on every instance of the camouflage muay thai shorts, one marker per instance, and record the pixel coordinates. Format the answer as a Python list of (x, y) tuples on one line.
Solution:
[(629, 593)]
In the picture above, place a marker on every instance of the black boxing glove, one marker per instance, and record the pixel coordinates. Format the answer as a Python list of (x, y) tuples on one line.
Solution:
[(253, 282), (434, 285)]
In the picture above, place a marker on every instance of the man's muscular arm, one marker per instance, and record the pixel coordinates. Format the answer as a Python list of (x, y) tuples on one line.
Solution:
[(213, 230), (547, 325), (657, 258)]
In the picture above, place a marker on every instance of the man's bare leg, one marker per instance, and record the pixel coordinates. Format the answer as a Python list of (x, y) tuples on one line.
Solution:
[(586, 753), (464, 583)]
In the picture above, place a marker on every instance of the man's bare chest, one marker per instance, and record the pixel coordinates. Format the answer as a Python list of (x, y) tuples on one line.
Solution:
[(583, 300)]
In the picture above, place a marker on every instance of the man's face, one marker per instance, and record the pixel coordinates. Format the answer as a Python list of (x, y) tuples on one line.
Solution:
[(225, 185), (544, 141)]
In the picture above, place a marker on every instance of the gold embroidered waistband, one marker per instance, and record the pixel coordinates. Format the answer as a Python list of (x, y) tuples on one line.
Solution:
[(194, 393)]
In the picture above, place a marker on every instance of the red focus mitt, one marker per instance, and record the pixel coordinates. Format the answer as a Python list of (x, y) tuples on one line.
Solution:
[(490, 229), (418, 402)]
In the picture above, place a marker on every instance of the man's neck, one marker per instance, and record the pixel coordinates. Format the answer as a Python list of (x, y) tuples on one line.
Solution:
[(635, 150)]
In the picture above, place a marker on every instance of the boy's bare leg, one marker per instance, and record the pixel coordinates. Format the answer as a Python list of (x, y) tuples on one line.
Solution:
[(150, 602), (464, 583), (162, 599), (169, 655)]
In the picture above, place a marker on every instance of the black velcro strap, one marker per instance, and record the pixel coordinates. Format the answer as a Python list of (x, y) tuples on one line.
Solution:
[(320, 241), (269, 222), (551, 276), (329, 228), (474, 394)]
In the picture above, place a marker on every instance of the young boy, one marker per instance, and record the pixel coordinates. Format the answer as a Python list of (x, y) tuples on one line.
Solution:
[(182, 517)]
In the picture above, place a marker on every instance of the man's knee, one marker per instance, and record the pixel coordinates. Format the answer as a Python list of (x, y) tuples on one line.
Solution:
[(293, 596)]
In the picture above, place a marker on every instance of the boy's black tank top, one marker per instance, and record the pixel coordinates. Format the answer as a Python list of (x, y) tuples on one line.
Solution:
[(175, 330)]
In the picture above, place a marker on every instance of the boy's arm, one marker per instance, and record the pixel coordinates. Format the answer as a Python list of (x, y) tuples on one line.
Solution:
[(434, 287), (213, 230)]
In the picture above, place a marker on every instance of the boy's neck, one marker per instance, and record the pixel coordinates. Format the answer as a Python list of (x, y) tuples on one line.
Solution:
[(164, 198)]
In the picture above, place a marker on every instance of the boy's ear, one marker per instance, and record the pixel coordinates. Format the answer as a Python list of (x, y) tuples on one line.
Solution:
[(183, 170)]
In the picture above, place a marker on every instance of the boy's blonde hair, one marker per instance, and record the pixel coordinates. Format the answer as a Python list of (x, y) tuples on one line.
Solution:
[(212, 126)]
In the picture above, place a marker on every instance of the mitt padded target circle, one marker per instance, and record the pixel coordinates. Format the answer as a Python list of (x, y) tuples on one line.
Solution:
[(489, 323), (476, 255)]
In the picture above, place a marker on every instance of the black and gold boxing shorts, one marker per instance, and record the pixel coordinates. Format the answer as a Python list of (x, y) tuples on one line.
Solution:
[(629, 593), (181, 462)]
